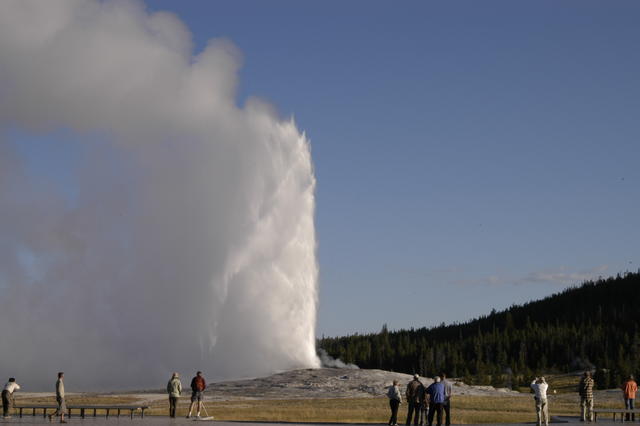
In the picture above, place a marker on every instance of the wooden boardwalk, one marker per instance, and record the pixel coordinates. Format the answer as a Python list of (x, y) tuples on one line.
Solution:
[(84, 410)]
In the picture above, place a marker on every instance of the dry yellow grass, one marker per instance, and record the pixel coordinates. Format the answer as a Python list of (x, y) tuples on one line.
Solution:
[(465, 409)]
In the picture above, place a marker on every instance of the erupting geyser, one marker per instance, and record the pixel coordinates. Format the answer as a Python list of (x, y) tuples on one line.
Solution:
[(182, 239)]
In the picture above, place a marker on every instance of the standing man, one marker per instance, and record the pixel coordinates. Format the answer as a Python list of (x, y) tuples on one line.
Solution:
[(629, 389), (436, 400), (198, 385), (393, 393), (540, 386), (174, 389), (448, 390), (7, 397), (585, 389), (62, 406), (414, 397)]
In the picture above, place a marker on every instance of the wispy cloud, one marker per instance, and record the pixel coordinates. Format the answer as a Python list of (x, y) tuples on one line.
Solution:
[(560, 276)]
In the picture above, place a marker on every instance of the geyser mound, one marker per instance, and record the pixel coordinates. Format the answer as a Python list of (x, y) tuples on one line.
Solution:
[(186, 237)]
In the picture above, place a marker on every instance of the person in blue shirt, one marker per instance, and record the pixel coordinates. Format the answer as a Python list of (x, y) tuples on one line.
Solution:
[(437, 397)]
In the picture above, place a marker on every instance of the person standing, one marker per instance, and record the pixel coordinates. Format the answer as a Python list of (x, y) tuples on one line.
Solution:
[(540, 386), (7, 397), (393, 393), (174, 389), (62, 406), (436, 400), (198, 385), (414, 397), (629, 389), (424, 407), (585, 389), (448, 390)]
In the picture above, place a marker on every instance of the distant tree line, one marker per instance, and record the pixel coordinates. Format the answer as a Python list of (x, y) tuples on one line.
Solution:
[(595, 325)]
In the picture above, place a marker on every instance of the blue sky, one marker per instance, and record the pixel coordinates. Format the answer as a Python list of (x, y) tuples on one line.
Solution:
[(469, 155)]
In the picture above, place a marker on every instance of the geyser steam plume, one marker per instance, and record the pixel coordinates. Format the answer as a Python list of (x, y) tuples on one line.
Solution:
[(184, 237)]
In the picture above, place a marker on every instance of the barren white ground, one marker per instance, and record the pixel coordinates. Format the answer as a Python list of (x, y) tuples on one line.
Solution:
[(307, 383)]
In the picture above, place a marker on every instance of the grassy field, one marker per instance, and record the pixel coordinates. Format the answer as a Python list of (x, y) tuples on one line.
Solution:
[(465, 409)]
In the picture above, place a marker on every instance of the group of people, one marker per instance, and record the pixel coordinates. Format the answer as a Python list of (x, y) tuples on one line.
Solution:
[(12, 386), (585, 390), (426, 402), (174, 389), (423, 402)]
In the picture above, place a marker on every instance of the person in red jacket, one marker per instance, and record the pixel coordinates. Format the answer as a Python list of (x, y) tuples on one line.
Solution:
[(629, 389), (198, 385)]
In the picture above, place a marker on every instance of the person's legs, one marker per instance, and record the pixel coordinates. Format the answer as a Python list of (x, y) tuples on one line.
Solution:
[(538, 413), (590, 409), (416, 415), (432, 410), (545, 412), (5, 403), (424, 409), (583, 408), (447, 412), (193, 403), (62, 408), (410, 408), (173, 402), (439, 414), (631, 403), (200, 402), (394, 404)]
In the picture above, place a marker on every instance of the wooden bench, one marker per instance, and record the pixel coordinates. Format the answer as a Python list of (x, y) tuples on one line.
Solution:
[(613, 411), (84, 409)]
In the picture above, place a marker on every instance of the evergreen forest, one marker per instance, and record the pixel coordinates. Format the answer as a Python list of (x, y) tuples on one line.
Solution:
[(592, 326)]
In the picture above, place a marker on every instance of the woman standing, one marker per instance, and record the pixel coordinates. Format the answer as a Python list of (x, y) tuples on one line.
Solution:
[(174, 389), (395, 400)]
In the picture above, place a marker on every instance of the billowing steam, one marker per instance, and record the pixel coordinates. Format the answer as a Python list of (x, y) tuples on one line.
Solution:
[(186, 240)]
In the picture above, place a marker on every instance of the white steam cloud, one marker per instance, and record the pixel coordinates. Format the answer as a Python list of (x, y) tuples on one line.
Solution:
[(187, 241)]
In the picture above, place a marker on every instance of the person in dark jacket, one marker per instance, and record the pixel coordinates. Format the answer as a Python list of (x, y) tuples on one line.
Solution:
[(437, 397), (198, 385), (414, 395)]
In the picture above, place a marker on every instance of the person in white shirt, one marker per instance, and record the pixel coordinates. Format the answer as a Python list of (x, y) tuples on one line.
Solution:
[(540, 386), (393, 393), (7, 396)]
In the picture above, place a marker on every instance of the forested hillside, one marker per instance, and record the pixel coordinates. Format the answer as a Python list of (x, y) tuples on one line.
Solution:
[(594, 325)]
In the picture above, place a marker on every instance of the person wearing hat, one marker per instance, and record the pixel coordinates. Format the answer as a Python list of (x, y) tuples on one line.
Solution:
[(174, 389), (414, 395)]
